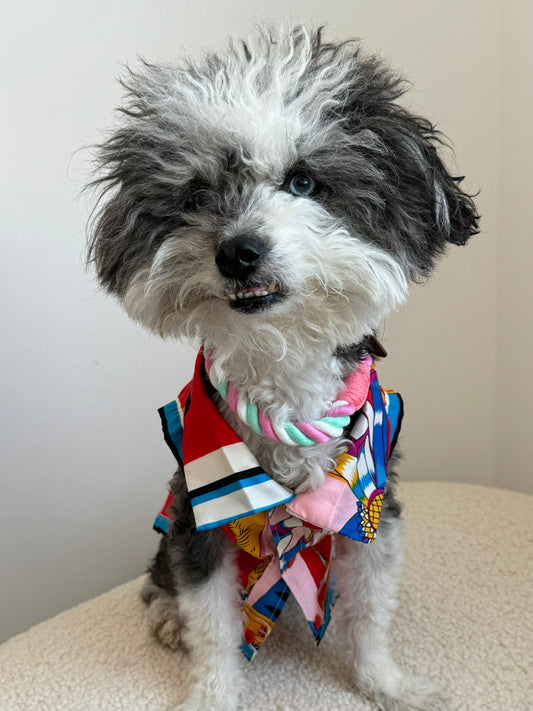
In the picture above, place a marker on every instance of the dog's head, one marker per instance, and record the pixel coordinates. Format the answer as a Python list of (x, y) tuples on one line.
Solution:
[(276, 188)]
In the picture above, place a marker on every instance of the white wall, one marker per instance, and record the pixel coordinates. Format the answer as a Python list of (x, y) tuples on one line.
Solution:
[(84, 467), (513, 411)]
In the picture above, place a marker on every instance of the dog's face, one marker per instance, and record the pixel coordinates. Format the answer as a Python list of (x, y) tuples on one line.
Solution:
[(277, 184)]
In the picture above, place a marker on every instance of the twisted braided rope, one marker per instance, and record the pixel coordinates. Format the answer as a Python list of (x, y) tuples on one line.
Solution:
[(305, 434)]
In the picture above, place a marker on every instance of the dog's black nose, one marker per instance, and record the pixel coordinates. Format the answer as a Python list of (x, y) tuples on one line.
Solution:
[(239, 257)]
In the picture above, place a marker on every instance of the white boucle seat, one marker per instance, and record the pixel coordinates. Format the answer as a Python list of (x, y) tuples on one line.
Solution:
[(465, 619)]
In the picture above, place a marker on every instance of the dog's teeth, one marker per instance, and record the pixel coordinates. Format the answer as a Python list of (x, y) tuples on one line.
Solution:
[(256, 292)]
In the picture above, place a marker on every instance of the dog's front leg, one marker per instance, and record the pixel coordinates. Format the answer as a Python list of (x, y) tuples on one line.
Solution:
[(211, 635), (368, 579)]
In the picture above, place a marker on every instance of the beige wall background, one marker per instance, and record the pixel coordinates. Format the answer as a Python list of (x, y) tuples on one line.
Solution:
[(514, 322), (84, 467)]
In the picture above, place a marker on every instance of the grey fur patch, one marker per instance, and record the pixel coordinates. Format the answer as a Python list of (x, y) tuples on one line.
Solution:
[(186, 557)]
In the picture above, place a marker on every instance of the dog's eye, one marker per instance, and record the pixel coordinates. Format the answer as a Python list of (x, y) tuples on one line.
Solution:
[(302, 185)]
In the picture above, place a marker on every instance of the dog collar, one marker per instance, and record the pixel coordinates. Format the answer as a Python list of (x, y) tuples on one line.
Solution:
[(303, 434)]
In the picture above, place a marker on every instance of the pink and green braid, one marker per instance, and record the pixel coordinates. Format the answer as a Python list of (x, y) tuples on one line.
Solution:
[(305, 434)]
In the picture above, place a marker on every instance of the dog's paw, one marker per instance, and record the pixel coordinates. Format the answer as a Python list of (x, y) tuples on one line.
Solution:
[(168, 631), (413, 693), (394, 689), (164, 619), (219, 687), (199, 701), (200, 705)]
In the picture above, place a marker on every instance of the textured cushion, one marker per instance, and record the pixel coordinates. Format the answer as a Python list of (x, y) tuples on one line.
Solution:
[(464, 619)]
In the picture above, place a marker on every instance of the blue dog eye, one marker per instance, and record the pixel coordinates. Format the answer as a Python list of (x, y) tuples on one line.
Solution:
[(302, 185)]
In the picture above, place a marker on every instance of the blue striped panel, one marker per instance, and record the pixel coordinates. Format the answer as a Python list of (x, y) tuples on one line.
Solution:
[(380, 435), (234, 486), (235, 517), (161, 524), (175, 429), (394, 413)]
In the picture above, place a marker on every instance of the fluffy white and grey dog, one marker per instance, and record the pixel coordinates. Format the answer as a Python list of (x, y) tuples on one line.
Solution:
[(276, 201)]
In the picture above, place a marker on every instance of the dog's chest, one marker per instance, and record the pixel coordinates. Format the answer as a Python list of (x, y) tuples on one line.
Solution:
[(298, 468), (292, 395)]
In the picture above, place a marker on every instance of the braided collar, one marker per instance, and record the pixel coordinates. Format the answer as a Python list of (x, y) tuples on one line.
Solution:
[(303, 434)]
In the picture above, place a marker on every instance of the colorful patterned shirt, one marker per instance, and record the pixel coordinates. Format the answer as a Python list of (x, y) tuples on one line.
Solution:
[(286, 541)]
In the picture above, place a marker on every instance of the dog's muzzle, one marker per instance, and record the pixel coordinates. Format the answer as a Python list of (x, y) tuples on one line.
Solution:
[(238, 260)]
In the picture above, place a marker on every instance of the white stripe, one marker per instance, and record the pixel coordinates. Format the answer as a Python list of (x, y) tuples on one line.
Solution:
[(365, 468), (219, 464), (180, 411), (328, 429), (241, 502), (241, 406), (282, 435), (239, 457), (361, 424), (339, 403)]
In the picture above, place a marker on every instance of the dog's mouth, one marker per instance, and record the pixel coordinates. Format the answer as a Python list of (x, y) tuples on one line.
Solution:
[(250, 299)]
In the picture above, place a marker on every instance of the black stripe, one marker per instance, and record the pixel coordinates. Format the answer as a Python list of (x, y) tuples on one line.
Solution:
[(219, 483), (212, 392), (353, 419), (168, 438), (187, 405), (399, 427)]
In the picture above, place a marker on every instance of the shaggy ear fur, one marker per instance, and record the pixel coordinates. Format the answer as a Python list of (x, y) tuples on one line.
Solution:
[(435, 197), (422, 204), (430, 197), (137, 218)]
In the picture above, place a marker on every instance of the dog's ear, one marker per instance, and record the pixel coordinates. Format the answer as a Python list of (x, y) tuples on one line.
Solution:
[(420, 204), (134, 212), (437, 196), (427, 205), (132, 216)]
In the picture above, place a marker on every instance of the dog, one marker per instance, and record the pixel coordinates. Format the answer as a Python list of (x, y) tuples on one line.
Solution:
[(273, 202)]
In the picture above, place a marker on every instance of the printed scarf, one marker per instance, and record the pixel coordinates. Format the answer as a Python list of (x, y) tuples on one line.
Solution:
[(286, 541)]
